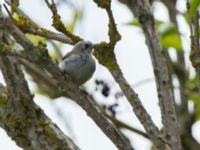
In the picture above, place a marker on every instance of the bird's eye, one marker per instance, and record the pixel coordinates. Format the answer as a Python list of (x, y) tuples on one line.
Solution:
[(87, 45)]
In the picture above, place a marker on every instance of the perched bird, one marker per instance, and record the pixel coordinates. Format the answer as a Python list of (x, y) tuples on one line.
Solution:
[(79, 63)]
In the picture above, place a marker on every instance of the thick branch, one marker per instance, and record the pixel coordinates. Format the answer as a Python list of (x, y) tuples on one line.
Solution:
[(182, 74), (48, 34), (195, 46), (46, 83), (185, 117), (23, 120), (105, 55), (141, 9)]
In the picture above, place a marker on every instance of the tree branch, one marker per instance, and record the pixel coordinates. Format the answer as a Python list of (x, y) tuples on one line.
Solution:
[(29, 26), (48, 34), (195, 46), (104, 52), (23, 120), (141, 9), (121, 124), (40, 56), (57, 23)]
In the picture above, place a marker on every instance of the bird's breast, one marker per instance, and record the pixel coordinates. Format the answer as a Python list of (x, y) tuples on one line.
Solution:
[(79, 67)]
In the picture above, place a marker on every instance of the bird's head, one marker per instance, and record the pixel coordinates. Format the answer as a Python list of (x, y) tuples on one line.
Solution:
[(83, 47)]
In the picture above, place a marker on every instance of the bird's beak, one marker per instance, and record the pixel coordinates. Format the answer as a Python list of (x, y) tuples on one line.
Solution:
[(92, 46)]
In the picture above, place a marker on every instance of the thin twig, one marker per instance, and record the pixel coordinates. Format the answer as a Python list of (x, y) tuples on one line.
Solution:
[(121, 124), (189, 19), (58, 24), (41, 31)]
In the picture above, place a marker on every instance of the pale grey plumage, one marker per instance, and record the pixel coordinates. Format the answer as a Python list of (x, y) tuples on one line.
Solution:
[(78, 63)]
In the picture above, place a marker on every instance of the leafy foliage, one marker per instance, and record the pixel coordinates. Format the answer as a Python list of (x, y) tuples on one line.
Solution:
[(168, 34), (194, 5), (194, 94)]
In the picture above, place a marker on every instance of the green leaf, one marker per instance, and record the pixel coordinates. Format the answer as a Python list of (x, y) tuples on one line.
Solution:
[(136, 23), (35, 39), (76, 17), (169, 36), (195, 97), (193, 7), (185, 16), (171, 40), (54, 56), (193, 83)]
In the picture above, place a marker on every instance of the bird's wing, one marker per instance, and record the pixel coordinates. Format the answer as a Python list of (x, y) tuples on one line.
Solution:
[(67, 55), (70, 62)]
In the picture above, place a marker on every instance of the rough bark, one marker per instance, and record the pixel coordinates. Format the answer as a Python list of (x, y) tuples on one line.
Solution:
[(141, 9), (22, 119)]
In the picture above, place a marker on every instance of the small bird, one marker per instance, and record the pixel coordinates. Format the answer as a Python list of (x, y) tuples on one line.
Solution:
[(79, 63)]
